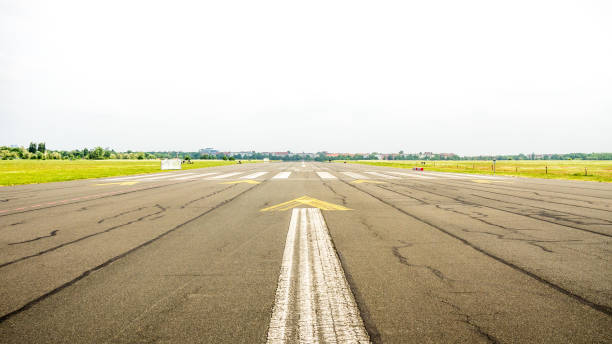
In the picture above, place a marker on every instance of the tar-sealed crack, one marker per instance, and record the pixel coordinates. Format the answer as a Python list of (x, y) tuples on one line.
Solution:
[(51, 249), (113, 259), (516, 212), (403, 260), (121, 214), (599, 307), (342, 197), (469, 320), (206, 196), (52, 234)]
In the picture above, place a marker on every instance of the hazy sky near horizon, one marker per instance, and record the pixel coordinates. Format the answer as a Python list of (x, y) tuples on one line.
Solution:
[(470, 77)]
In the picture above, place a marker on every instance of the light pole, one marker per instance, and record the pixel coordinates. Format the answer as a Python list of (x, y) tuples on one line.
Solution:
[(493, 166)]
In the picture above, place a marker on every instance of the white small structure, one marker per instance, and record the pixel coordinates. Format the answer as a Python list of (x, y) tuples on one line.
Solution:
[(266, 160), (171, 164)]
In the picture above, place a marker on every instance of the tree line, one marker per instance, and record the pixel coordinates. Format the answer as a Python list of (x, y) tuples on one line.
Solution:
[(39, 151)]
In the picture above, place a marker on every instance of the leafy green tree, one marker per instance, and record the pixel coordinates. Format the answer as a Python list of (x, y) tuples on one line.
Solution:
[(97, 153), (41, 147), (32, 148)]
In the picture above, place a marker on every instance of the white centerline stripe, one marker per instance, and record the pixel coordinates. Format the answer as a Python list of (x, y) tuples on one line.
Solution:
[(196, 176), (282, 175), (254, 175), (382, 175), (313, 301), (225, 175), (355, 175), (326, 175)]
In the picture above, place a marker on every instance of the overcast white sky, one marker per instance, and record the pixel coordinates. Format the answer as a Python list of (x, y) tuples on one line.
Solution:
[(470, 77)]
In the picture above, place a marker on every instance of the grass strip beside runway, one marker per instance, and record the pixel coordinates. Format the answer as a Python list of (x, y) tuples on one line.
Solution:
[(15, 172), (593, 170)]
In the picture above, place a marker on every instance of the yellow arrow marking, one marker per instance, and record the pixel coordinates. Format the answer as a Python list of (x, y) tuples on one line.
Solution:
[(305, 200), (120, 183), (243, 181), (359, 181)]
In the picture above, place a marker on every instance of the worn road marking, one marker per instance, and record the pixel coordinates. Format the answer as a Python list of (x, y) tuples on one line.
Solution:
[(382, 175), (282, 175), (225, 175), (314, 303), (355, 175), (242, 181), (326, 175), (414, 175), (305, 201), (254, 175), (120, 183), (166, 176), (135, 177), (196, 176), (360, 181)]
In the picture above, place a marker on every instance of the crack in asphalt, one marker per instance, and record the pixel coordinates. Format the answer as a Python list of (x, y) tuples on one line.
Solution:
[(467, 319), (51, 249), (545, 210), (467, 202), (403, 260), (121, 214), (53, 233), (599, 307), (342, 197), (115, 258), (206, 196)]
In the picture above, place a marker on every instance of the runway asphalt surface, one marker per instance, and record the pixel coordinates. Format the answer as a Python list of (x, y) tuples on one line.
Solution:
[(306, 252)]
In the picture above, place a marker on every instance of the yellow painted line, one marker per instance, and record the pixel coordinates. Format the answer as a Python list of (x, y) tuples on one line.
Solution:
[(242, 181), (305, 200), (120, 183), (360, 181)]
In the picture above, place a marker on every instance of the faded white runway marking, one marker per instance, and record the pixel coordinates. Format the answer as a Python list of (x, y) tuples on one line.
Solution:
[(413, 175), (356, 175), (282, 175), (136, 177), (196, 176), (313, 303), (254, 175), (382, 175), (227, 175), (326, 175), (166, 176)]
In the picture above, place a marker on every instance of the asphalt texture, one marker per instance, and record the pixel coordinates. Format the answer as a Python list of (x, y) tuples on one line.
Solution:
[(429, 257)]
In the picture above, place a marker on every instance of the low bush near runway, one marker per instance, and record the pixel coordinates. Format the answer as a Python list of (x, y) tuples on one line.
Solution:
[(595, 170), (14, 172)]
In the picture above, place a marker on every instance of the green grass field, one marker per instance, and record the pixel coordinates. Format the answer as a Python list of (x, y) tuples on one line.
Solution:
[(14, 172), (593, 170)]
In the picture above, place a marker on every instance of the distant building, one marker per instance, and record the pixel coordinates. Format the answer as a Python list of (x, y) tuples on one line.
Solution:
[(447, 155), (209, 151)]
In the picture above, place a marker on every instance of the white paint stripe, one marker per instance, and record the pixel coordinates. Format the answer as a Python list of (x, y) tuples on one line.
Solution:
[(135, 177), (282, 175), (313, 301), (326, 175), (196, 176), (164, 177), (225, 175), (382, 175), (414, 175), (355, 175), (280, 331), (254, 175)]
